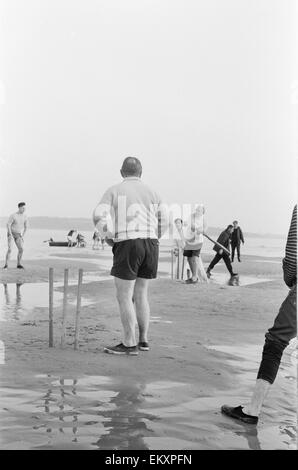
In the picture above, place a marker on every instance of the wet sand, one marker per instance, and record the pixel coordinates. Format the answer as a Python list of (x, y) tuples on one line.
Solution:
[(206, 343)]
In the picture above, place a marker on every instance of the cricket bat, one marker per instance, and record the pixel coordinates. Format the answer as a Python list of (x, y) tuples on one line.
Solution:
[(218, 244)]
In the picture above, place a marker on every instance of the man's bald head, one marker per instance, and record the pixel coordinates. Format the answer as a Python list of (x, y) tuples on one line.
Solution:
[(131, 167)]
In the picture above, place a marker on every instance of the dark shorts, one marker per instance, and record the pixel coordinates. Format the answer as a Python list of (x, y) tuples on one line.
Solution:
[(190, 253), (135, 258)]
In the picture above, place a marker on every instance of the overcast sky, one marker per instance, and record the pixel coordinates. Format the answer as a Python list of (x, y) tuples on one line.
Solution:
[(202, 91)]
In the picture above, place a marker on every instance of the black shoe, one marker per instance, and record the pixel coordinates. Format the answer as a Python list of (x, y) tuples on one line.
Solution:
[(19, 266), (191, 281), (121, 349), (208, 274), (234, 274), (239, 260), (237, 413), (5, 266), (143, 346)]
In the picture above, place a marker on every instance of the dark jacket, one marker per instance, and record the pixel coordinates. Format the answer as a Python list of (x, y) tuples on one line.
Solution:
[(224, 240), (290, 259), (237, 236)]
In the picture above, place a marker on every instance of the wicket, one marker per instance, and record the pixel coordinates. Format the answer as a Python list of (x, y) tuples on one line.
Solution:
[(178, 264), (64, 312)]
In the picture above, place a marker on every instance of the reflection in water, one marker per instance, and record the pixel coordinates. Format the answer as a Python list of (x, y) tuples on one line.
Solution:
[(13, 303), (97, 412), (18, 300), (234, 281), (121, 425), (126, 424)]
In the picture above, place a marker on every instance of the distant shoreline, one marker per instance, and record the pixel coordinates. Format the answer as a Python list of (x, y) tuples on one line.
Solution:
[(81, 223)]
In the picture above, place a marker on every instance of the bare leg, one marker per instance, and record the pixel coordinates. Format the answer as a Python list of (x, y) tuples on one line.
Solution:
[(19, 242), (7, 258), (260, 392), (193, 263), (142, 307), (124, 292)]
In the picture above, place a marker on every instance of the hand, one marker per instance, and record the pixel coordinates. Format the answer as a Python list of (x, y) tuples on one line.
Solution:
[(109, 241)]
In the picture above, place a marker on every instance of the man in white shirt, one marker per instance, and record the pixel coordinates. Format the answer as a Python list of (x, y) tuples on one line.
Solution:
[(194, 239), (16, 228), (132, 218)]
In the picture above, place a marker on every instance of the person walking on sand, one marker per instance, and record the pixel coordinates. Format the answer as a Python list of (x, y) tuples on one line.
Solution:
[(16, 228), (102, 240), (224, 240), (277, 338), (236, 239), (131, 218), (194, 239), (71, 236), (95, 238)]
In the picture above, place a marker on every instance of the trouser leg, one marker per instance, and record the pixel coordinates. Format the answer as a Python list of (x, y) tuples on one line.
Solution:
[(215, 260), (227, 262), (278, 337), (238, 252), (233, 252)]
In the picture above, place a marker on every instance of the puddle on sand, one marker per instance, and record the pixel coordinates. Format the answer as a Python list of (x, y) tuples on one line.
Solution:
[(225, 280), (279, 414), (17, 300), (98, 412)]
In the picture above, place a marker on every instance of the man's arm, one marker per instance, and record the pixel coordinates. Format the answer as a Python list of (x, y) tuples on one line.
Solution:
[(290, 259), (25, 227), (224, 238), (205, 225), (241, 236), (9, 224), (102, 215), (163, 219)]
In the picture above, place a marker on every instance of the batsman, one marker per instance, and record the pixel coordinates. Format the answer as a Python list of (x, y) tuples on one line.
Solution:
[(222, 251)]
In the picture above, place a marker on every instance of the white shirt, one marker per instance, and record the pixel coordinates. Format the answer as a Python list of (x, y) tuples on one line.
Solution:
[(193, 233), (130, 210), (17, 222)]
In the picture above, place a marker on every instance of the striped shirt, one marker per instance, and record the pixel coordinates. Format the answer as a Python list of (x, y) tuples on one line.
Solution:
[(290, 259)]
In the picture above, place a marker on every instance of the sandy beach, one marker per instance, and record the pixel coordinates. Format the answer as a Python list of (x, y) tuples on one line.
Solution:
[(206, 342)]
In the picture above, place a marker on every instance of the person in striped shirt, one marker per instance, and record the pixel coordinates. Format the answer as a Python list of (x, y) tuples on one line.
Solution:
[(277, 338)]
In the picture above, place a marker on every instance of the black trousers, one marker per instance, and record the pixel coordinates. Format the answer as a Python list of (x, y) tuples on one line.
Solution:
[(226, 260), (235, 247), (278, 337)]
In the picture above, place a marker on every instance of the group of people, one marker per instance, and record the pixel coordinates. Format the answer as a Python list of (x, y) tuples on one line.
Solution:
[(135, 245), (75, 238), (190, 241), (135, 262)]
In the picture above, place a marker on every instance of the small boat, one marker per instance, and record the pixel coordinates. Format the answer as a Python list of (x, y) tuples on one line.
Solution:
[(52, 243)]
